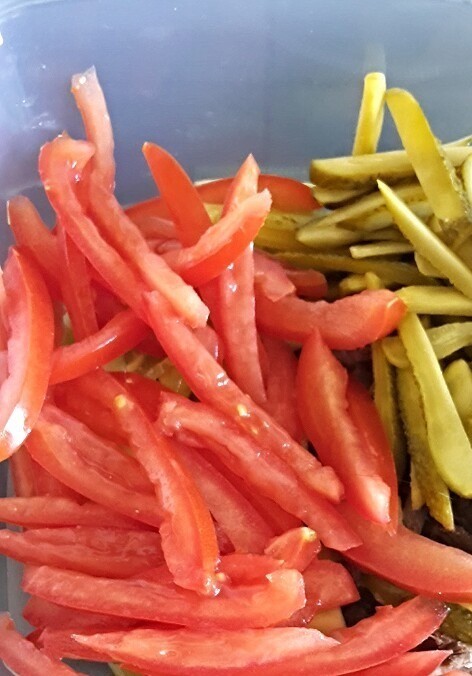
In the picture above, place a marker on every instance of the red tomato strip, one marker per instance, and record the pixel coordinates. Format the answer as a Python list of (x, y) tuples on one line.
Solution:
[(412, 562), (246, 529), (323, 406), (179, 194), (287, 193), (95, 551), (200, 426), (248, 568), (233, 308), (76, 287), (262, 605), (22, 470), (122, 333), (30, 343), (296, 548), (272, 278), (421, 663), (22, 657), (47, 511), (345, 324), (210, 383), (146, 391), (280, 378), (188, 535), (221, 244), (51, 448), (200, 653), (365, 417), (40, 613), (33, 235), (328, 585), (309, 284)]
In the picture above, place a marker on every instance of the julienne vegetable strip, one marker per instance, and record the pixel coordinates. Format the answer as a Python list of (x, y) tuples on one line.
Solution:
[(182, 536)]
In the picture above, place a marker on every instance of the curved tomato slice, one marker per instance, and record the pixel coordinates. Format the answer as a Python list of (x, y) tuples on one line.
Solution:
[(322, 384), (309, 284), (421, 663), (50, 511), (23, 657), (221, 244), (241, 569), (40, 613), (179, 194), (272, 601), (296, 548), (190, 652), (93, 550), (30, 342), (272, 278), (345, 324), (412, 561), (146, 391)]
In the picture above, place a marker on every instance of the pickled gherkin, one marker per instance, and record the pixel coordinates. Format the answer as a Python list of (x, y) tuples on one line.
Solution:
[(447, 440), (435, 300), (433, 489), (371, 115), (458, 376)]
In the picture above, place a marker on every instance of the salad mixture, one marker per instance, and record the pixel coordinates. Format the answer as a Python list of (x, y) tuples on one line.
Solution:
[(239, 415)]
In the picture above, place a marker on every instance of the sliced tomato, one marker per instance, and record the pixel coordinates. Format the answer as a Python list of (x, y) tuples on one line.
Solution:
[(22, 468), (271, 277), (248, 568), (345, 324), (328, 585), (211, 341), (22, 657), (40, 613), (367, 420), (76, 286), (91, 103), (322, 384), (190, 652), (412, 561), (57, 643), (421, 663), (179, 194), (280, 378), (30, 343), (93, 550), (280, 595), (33, 235), (50, 447), (60, 162), (210, 383), (309, 284), (287, 194), (188, 535), (200, 426), (146, 391), (122, 333), (221, 244), (232, 303), (51, 511), (246, 529), (296, 548)]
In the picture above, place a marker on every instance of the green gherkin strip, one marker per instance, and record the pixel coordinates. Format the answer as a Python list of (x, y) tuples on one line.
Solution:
[(445, 339), (435, 300), (386, 403), (458, 376), (447, 440), (433, 489), (371, 115)]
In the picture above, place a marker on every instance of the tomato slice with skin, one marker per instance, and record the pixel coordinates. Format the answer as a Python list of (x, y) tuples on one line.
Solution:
[(52, 512), (195, 653), (345, 324), (146, 391), (211, 384), (242, 569), (198, 425), (23, 657), (122, 333), (271, 277), (92, 550), (221, 244), (179, 194), (41, 614), (412, 561), (322, 384), (188, 535), (33, 235), (246, 529), (366, 418), (296, 548), (280, 382), (49, 446), (280, 595), (309, 284), (30, 343), (421, 663)]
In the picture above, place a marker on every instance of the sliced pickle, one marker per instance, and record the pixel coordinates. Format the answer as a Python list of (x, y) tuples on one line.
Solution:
[(445, 340), (425, 267), (435, 300), (458, 377), (380, 249), (337, 197), (371, 115)]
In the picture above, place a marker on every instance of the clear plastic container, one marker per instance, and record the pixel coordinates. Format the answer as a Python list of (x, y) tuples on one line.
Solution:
[(213, 81)]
